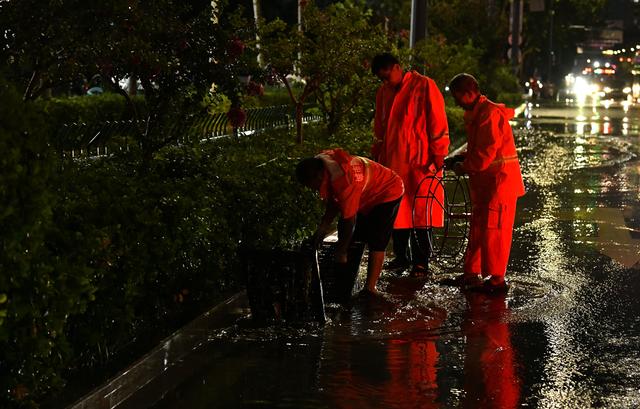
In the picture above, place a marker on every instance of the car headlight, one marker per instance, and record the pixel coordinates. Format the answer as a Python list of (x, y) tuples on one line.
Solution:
[(581, 86)]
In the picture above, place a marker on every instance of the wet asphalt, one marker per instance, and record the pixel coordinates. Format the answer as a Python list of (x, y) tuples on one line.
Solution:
[(566, 335)]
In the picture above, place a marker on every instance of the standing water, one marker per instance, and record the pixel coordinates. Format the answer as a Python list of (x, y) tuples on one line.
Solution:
[(567, 335)]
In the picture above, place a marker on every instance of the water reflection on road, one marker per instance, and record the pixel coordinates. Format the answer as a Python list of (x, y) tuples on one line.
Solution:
[(411, 366), (579, 229), (566, 336)]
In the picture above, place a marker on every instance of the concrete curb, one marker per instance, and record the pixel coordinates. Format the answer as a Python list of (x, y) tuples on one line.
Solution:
[(158, 363)]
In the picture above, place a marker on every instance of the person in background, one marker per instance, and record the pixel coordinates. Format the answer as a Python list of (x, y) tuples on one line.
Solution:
[(95, 87), (495, 183), (412, 138)]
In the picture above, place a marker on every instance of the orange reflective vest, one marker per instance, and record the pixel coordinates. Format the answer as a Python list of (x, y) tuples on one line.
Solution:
[(357, 184), (411, 127)]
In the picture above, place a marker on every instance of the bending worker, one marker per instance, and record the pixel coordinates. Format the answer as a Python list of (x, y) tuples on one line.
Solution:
[(367, 196), (412, 139), (491, 161)]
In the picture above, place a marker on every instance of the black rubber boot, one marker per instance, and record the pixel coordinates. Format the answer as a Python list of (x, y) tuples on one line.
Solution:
[(420, 251), (401, 259)]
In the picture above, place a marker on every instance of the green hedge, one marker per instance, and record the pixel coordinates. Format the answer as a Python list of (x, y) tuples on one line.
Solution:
[(34, 280), (89, 109), (455, 118)]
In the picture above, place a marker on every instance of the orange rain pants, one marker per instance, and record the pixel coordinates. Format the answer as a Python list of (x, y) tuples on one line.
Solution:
[(490, 238)]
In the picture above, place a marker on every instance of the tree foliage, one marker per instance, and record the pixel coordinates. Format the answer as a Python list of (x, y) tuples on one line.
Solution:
[(175, 49), (394, 15), (441, 60), (484, 21), (330, 55), (348, 84)]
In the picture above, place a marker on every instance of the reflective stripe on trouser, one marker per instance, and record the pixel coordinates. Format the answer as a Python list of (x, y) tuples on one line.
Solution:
[(490, 238)]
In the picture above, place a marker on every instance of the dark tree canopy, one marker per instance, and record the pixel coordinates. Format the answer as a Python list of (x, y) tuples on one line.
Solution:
[(175, 49)]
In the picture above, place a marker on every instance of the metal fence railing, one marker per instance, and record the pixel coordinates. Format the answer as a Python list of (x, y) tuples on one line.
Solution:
[(99, 139)]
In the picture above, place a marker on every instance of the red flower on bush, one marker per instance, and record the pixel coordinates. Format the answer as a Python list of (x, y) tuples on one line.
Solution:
[(255, 89), (235, 48), (237, 117)]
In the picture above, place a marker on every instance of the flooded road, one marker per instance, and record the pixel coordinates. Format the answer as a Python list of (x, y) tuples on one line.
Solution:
[(567, 335)]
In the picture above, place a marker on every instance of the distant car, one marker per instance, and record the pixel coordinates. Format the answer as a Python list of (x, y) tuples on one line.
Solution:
[(95, 85), (634, 89), (598, 86), (95, 91)]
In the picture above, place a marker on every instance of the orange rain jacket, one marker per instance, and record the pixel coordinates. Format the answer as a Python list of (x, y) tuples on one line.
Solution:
[(411, 127), (491, 159)]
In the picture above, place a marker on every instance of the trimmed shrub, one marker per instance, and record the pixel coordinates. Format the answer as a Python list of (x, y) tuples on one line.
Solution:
[(89, 109), (39, 288)]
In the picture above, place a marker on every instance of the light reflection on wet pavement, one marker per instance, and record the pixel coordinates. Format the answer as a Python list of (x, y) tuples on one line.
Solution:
[(566, 336)]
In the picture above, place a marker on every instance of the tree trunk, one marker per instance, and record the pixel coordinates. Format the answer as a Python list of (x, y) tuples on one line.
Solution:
[(296, 66), (256, 16), (299, 110), (132, 85), (333, 123)]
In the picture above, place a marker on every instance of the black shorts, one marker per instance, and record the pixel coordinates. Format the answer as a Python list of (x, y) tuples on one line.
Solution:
[(375, 227)]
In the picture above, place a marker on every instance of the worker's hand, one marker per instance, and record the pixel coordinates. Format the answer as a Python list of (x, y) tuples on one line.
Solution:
[(318, 236), (437, 161), (317, 240), (341, 255), (459, 169)]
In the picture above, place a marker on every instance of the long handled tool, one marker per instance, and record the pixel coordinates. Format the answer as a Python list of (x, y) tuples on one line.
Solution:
[(317, 295)]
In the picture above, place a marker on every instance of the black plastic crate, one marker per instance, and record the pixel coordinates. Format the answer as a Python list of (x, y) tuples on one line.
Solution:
[(340, 281), (283, 285)]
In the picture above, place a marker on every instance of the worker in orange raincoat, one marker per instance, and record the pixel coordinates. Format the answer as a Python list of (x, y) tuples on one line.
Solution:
[(412, 138), (491, 161), (365, 193)]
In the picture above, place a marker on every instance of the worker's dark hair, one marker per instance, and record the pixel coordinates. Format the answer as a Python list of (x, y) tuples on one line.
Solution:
[(464, 82), (307, 169), (382, 62)]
